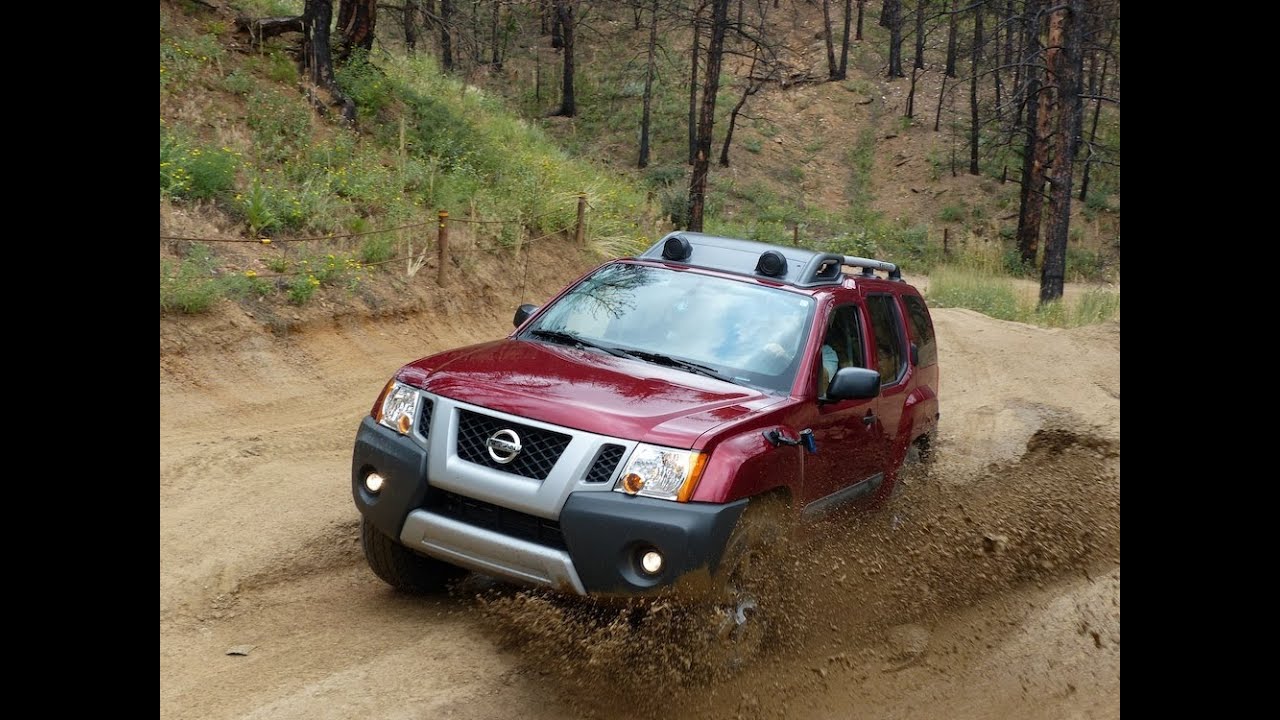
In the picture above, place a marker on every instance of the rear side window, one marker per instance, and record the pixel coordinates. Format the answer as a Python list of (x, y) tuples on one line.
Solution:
[(886, 322), (921, 329)]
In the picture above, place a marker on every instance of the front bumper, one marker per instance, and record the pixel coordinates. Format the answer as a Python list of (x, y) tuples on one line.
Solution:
[(592, 547)]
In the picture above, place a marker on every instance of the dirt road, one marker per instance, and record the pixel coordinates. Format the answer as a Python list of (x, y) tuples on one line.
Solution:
[(990, 589)]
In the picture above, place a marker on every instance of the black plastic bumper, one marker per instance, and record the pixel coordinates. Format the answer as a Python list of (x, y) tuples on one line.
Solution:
[(607, 532), (604, 532), (402, 462)]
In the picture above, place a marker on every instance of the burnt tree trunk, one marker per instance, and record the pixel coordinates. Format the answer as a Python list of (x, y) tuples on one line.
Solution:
[(893, 8), (693, 82), (707, 117), (973, 88), (920, 8), (648, 86), (844, 40), (557, 30), (356, 20), (568, 103), (832, 68), (317, 59), (446, 35), (1093, 136), (1008, 32), (953, 29), (1033, 156), (495, 54), (1066, 66), (411, 26), (858, 29), (260, 29), (942, 93), (753, 87)]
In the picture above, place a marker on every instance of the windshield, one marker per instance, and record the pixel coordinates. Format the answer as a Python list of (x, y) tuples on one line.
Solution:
[(744, 333)]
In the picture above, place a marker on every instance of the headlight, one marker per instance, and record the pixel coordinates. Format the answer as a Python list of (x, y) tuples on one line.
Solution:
[(661, 472), (399, 408)]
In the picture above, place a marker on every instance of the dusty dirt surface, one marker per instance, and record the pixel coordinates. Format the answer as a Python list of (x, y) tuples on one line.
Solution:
[(990, 587)]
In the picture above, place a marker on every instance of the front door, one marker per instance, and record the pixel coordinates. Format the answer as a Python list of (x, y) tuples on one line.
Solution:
[(850, 439)]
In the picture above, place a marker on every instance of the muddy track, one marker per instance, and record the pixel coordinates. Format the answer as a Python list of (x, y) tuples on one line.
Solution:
[(990, 588)]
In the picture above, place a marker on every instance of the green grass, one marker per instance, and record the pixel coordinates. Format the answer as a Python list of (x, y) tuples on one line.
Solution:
[(952, 213), (995, 295)]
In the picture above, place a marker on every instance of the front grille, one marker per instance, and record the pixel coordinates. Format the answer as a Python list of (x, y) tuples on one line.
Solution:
[(424, 419), (498, 519), (606, 462), (539, 449)]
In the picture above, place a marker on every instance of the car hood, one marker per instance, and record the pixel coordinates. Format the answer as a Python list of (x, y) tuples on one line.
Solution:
[(587, 390)]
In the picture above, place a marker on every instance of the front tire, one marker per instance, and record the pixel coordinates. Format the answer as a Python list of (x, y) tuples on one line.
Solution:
[(400, 567)]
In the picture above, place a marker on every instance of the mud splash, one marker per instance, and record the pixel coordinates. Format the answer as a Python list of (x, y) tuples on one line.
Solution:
[(855, 580)]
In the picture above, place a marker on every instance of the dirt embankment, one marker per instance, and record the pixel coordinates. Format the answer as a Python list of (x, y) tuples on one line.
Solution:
[(989, 589)]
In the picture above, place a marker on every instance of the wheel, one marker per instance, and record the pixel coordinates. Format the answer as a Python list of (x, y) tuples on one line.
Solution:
[(400, 567), (749, 580), (918, 456)]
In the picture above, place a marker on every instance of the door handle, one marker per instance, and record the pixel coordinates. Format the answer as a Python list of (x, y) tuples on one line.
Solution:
[(869, 419)]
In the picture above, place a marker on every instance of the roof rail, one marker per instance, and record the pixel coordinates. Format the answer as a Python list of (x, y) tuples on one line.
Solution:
[(868, 266)]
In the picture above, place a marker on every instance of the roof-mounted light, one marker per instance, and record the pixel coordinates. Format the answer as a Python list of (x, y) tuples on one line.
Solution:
[(771, 263), (677, 248)]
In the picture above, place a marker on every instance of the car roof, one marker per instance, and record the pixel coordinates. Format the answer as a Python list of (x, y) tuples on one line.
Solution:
[(795, 266)]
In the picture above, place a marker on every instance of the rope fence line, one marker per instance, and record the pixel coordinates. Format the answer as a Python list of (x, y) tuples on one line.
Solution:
[(416, 260), (443, 216)]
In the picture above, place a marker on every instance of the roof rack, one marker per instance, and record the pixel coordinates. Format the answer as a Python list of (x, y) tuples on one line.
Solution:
[(869, 266), (796, 266)]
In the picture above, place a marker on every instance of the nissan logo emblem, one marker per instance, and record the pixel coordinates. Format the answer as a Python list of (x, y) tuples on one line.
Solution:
[(504, 446)]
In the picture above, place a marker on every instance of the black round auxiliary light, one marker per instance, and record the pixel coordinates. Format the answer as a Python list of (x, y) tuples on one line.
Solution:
[(771, 263), (676, 248)]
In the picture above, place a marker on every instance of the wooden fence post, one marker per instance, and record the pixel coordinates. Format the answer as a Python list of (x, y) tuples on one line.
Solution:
[(442, 246), (580, 232)]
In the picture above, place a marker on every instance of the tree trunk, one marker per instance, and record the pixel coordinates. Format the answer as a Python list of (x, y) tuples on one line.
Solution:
[(1034, 154), (317, 60), (410, 26), (568, 103), (648, 86), (953, 29), (1093, 135), (693, 82), (833, 70), (557, 30), (356, 20), (920, 7), (1066, 66), (446, 35), (706, 120), (1008, 32), (893, 8), (858, 30), (937, 119), (844, 40), (885, 8), (753, 86), (973, 88), (495, 54)]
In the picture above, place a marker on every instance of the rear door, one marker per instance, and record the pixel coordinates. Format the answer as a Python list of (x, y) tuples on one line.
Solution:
[(890, 340)]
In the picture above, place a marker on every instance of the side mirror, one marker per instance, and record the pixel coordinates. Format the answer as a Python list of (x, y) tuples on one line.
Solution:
[(854, 384), (523, 312)]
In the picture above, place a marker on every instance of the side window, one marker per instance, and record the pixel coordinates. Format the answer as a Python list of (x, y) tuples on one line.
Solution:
[(921, 329), (841, 347), (886, 322)]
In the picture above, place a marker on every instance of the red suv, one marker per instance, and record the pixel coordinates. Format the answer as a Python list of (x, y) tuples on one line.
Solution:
[(612, 443)]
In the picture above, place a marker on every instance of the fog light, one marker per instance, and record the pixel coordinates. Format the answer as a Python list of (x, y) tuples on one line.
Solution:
[(651, 562), (632, 483), (373, 483)]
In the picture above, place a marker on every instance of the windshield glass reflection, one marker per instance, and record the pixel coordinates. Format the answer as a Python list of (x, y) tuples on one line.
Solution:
[(747, 334)]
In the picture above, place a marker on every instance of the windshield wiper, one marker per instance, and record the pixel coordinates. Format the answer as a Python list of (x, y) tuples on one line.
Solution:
[(568, 338), (686, 365)]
